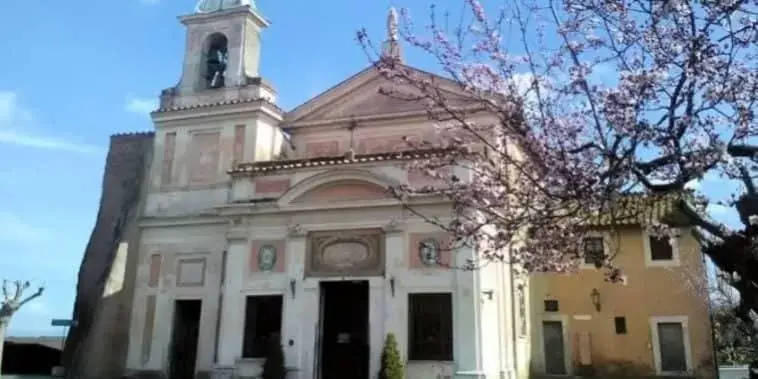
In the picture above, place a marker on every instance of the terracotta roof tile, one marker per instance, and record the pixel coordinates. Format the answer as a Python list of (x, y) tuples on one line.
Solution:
[(639, 209)]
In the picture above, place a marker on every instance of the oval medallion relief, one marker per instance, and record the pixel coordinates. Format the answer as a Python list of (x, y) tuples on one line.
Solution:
[(345, 255), (429, 252), (266, 258)]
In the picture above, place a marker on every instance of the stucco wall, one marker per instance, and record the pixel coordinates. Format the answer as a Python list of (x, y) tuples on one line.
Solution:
[(96, 347), (676, 290)]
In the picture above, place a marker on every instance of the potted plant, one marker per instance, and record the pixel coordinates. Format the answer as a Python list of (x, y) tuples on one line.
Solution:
[(273, 367), (392, 365)]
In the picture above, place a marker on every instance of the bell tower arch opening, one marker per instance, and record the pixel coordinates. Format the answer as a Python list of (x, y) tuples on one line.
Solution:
[(215, 61), (222, 49)]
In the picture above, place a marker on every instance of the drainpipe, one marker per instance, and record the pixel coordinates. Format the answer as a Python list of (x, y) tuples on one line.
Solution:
[(219, 308), (514, 327), (713, 329)]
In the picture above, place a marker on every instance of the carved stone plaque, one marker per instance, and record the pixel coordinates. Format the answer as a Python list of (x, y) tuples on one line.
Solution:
[(191, 273), (346, 253)]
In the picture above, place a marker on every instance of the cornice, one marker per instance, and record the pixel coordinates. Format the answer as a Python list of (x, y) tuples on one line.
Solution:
[(174, 221)]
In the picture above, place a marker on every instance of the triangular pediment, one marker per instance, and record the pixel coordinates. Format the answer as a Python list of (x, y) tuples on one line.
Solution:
[(360, 96)]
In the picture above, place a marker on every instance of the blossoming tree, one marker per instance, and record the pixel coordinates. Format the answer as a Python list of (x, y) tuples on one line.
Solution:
[(592, 100)]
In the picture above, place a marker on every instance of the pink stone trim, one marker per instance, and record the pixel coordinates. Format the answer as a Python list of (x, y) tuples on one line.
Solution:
[(347, 190), (169, 148), (322, 149), (256, 246), (204, 157), (155, 271), (239, 143), (271, 186), (445, 252)]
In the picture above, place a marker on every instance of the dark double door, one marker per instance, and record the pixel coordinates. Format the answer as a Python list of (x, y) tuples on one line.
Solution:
[(184, 339), (344, 330)]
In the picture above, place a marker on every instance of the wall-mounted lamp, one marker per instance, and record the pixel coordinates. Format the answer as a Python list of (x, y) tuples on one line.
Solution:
[(489, 294), (292, 287), (595, 297), (392, 286)]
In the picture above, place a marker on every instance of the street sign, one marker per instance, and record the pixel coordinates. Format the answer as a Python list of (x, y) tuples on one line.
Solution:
[(62, 322)]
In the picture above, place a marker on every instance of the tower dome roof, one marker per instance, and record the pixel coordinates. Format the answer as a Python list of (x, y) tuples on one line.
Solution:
[(208, 6)]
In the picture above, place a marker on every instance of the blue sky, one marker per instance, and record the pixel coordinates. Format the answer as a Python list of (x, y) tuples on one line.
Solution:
[(74, 72)]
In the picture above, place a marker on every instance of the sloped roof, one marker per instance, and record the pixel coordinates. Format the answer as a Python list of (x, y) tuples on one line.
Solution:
[(640, 209), (359, 95)]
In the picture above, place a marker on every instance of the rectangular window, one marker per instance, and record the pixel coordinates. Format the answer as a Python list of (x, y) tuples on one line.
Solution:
[(594, 250), (671, 347), (661, 249), (620, 323), (263, 324), (551, 305), (430, 327)]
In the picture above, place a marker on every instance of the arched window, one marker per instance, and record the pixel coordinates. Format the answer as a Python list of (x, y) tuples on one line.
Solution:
[(216, 60)]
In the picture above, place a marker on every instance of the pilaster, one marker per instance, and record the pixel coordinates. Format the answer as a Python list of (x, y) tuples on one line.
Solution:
[(293, 340), (376, 309), (466, 312), (395, 296), (233, 312)]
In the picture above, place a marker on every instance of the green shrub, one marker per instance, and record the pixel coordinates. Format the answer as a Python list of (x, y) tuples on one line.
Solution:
[(273, 367), (392, 365)]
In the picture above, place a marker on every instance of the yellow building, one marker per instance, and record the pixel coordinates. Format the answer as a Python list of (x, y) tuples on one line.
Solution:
[(657, 323)]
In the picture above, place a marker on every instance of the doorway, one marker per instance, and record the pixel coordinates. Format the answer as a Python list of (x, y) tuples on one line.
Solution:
[(184, 339), (345, 330), (554, 348)]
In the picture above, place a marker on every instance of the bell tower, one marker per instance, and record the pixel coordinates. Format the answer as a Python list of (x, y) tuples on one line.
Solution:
[(223, 46)]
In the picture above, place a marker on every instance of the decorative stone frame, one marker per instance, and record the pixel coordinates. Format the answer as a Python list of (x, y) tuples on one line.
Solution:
[(371, 239), (607, 247), (191, 261), (567, 342), (675, 260), (684, 321)]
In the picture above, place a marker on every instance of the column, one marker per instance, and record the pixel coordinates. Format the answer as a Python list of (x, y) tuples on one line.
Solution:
[(395, 297), (292, 320), (479, 324), (233, 312), (376, 311), (162, 327), (466, 310)]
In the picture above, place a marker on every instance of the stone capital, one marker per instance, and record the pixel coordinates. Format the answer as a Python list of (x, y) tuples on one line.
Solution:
[(296, 231), (393, 226)]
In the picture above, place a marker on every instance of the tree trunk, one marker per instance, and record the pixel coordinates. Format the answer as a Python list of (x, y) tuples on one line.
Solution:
[(3, 327)]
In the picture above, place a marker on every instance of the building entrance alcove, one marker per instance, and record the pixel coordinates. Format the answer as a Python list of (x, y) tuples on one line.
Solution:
[(344, 329), (184, 339)]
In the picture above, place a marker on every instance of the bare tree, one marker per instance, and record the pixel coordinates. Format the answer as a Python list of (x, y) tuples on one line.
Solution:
[(13, 300), (594, 102)]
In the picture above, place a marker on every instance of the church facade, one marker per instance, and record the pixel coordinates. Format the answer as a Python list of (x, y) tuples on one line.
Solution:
[(262, 226)]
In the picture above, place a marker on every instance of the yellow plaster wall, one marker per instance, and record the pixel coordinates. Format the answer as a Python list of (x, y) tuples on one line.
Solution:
[(651, 291)]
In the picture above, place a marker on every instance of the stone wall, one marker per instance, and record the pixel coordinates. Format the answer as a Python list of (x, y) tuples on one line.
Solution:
[(96, 347)]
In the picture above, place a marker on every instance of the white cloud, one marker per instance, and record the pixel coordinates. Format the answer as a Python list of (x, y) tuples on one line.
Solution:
[(18, 232), (141, 106), (16, 123), (36, 307), (717, 209)]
